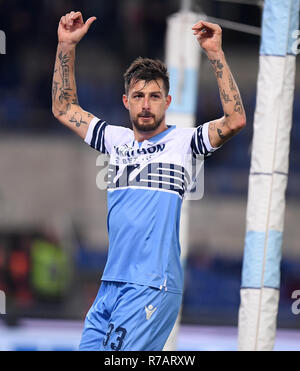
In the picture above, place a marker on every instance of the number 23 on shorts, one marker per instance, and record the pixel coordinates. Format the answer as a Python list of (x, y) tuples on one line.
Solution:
[(120, 331)]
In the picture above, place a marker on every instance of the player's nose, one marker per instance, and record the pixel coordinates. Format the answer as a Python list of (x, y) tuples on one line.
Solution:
[(146, 103)]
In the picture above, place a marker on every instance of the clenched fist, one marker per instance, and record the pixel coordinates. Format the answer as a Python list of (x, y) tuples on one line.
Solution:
[(71, 28)]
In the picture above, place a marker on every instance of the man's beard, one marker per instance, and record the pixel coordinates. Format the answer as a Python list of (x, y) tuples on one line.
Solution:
[(147, 127)]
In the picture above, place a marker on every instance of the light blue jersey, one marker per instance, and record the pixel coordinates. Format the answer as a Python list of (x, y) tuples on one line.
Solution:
[(146, 185), (140, 296)]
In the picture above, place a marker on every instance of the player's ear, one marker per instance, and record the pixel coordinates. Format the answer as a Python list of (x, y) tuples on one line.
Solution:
[(168, 101), (125, 101)]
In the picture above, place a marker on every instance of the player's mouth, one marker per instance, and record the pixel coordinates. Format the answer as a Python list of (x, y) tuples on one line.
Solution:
[(146, 116)]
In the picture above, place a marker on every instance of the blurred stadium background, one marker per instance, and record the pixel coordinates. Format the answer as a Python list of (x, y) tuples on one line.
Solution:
[(53, 240)]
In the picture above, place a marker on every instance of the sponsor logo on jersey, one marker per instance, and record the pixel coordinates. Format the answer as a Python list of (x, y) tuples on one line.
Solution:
[(127, 151)]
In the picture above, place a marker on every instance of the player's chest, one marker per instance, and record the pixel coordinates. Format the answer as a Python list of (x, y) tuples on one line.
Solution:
[(134, 153)]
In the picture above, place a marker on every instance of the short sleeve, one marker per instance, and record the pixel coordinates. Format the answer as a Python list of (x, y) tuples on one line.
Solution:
[(104, 137), (200, 142), (95, 136)]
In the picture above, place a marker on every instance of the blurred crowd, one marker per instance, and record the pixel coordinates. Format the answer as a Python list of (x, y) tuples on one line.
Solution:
[(124, 30)]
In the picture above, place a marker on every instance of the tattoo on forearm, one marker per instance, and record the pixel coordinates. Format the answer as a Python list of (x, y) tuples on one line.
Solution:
[(65, 77), (54, 89), (238, 104), (77, 120), (232, 84), (231, 101), (225, 97), (65, 70), (64, 112), (64, 95), (218, 67), (75, 100)]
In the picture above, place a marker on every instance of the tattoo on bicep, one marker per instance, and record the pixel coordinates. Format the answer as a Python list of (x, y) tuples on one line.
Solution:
[(225, 127), (225, 97), (77, 119), (224, 136), (221, 135), (212, 126)]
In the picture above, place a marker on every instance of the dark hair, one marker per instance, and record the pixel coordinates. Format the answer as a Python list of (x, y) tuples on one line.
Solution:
[(148, 70)]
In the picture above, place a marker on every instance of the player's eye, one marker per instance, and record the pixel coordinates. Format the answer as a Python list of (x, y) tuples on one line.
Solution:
[(156, 96)]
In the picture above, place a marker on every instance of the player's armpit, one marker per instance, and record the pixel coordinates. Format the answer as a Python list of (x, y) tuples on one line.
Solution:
[(75, 118), (221, 130)]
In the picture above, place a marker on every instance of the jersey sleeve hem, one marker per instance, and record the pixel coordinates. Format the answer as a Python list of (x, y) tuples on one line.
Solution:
[(206, 140), (89, 135)]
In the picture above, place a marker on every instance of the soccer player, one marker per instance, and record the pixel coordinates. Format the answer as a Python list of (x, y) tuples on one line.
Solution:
[(141, 290)]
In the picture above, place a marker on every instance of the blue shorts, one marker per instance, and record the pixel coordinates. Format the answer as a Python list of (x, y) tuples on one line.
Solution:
[(131, 317)]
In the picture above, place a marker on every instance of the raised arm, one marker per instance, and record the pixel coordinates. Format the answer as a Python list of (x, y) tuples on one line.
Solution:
[(65, 105), (209, 36)]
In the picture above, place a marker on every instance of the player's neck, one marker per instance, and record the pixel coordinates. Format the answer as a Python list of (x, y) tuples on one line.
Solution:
[(140, 136)]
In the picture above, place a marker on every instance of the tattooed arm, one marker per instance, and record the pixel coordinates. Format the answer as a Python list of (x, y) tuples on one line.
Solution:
[(65, 105), (209, 36)]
